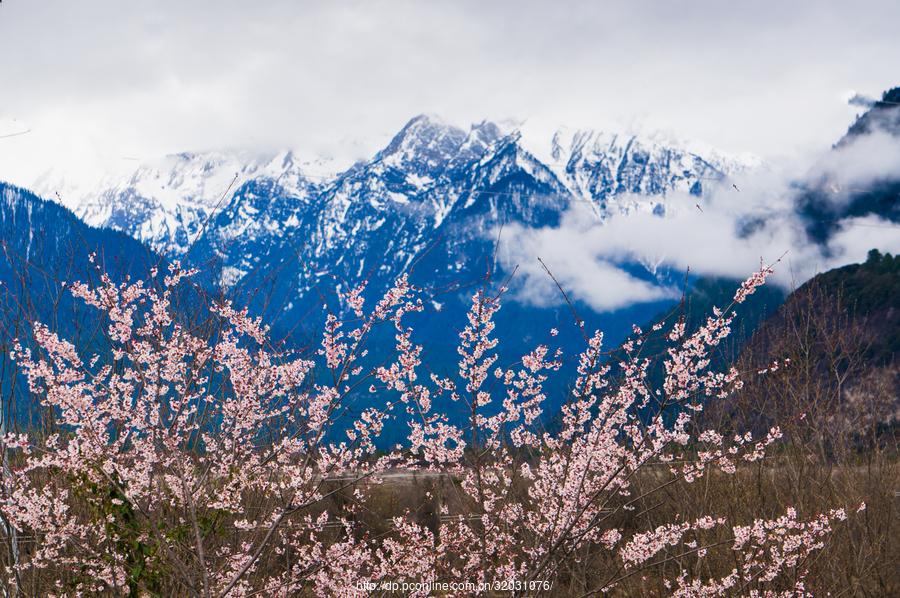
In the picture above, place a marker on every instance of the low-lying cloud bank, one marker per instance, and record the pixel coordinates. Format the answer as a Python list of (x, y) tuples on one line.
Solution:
[(726, 233)]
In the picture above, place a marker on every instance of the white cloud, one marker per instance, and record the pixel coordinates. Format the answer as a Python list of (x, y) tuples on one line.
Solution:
[(851, 167), (585, 272), (856, 236)]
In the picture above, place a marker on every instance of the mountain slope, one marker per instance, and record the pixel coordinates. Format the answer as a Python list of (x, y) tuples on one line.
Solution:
[(166, 202), (43, 246), (431, 203), (863, 296), (835, 340)]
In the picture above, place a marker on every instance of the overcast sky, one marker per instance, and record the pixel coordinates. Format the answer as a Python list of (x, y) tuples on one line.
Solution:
[(100, 82)]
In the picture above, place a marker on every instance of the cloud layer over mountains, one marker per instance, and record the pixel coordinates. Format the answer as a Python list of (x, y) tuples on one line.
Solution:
[(752, 217)]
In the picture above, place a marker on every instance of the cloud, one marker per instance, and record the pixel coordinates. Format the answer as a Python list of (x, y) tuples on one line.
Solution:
[(582, 268), (856, 99), (588, 256), (96, 80), (852, 167), (726, 234), (856, 236)]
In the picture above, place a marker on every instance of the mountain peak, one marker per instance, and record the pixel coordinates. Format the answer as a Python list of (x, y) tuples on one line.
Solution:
[(425, 142), (427, 118), (883, 115), (486, 132)]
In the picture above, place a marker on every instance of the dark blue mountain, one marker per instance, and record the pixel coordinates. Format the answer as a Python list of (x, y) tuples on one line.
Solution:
[(42, 246)]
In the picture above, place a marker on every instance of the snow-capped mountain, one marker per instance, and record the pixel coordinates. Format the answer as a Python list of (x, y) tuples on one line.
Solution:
[(608, 167), (431, 203), (427, 170), (165, 202)]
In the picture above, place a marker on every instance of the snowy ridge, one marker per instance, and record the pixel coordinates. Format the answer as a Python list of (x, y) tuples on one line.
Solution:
[(599, 165), (165, 202), (433, 185)]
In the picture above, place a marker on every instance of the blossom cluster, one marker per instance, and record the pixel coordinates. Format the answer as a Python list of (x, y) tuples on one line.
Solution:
[(218, 455)]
